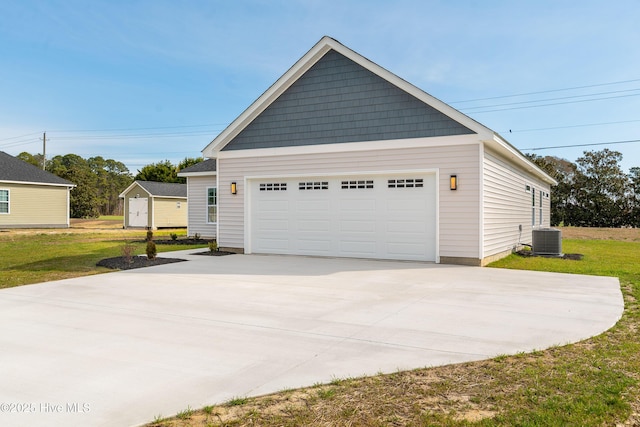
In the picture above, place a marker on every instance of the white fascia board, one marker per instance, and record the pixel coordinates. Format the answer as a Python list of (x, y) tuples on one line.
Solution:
[(306, 62), (393, 144), (510, 152), (37, 183), (271, 94), (187, 174), (133, 184)]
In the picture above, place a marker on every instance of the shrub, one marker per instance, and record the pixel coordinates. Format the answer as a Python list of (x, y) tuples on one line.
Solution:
[(174, 236), (213, 246), (128, 251), (149, 235), (152, 251)]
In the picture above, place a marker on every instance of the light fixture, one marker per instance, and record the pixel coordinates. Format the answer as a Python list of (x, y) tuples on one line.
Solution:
[(234, 188), (453, 182)]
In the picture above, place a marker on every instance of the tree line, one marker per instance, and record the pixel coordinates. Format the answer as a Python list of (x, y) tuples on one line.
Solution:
[(100, 181), (594, 191)]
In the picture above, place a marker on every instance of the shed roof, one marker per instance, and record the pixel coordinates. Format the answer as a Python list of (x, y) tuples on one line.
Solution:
[(13, 169), (205, 166), (160, 189)]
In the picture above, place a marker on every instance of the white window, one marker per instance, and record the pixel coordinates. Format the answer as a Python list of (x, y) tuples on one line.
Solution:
[(212, 205), (541, 194), (4, 201), (533, 206)]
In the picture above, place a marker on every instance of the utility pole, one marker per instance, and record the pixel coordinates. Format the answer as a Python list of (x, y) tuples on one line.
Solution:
[(44, 150)]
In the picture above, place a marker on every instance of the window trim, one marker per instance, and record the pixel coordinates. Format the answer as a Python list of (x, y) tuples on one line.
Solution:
[(8, 201), (214, 205)]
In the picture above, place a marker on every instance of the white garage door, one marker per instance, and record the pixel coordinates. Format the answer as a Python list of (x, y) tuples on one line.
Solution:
[(384, 217)]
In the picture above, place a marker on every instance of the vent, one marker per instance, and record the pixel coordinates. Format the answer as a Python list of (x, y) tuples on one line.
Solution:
[(547, 241)]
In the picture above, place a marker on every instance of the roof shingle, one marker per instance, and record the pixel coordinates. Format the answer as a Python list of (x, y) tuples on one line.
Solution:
[(14, 169)]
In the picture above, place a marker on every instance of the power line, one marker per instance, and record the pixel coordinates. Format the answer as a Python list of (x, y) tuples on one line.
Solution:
[(571, 126), (135, 129), (554, 103), (546, 91), (551, 99), (581, 145)]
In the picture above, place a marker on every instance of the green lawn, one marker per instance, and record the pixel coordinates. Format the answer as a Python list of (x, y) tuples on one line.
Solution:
[(591, 383), (33, 258)]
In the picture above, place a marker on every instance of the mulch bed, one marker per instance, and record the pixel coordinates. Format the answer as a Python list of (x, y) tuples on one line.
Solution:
[(188, 241), (121, 263), (215, 253), (573, 257)]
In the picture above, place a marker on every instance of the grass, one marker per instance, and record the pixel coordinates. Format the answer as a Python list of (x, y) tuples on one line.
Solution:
[(39, 257), (591, 383)]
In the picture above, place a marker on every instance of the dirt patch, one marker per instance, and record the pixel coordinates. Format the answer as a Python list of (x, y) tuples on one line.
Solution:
[(100, 224), (122, 263), (624, 234)]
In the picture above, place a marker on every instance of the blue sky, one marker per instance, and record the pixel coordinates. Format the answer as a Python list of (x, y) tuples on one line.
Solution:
[(144, 81)]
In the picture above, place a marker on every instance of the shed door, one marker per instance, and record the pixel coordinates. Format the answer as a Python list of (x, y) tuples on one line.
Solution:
[(138, 212), (382, 216)]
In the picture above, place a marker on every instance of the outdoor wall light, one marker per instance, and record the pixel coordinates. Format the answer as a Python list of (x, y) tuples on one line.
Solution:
[(234, 188), (453, 182)]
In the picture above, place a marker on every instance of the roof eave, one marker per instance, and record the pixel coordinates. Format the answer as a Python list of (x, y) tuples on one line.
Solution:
[(37, 183), (516, 156)]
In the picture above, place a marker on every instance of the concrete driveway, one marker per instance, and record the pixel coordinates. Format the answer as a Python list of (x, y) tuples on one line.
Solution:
[(119, 349)]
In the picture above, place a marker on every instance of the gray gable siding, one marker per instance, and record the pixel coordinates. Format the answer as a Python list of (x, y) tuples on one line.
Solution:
[(337, 101)]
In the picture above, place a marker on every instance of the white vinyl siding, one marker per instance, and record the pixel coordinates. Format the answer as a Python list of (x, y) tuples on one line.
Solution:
[(4, 201), (459, 228), (197, 196), (511, 199)]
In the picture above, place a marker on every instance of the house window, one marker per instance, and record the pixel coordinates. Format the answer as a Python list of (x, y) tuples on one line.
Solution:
[(212, 205), (277, 186), (405, 183), (541, 195), (350, 185), (316, 185), (4, 201), (533, 206)]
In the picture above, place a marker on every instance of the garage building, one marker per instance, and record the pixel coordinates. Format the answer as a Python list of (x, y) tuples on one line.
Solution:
[(340, 157)]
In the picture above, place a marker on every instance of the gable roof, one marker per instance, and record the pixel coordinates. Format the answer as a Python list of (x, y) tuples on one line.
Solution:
[(250, 117), (317, 52), (160, 189), (206, 167), (14, 170)]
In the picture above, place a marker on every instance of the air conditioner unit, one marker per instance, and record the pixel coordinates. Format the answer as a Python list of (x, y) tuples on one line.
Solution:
[(547, 241)]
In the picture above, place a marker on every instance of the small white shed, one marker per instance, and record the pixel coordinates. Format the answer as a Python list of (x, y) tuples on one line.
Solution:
[(155, 205)]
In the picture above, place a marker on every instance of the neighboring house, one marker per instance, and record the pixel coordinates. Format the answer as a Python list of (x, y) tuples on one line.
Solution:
[(31, 197), (340, 157), (154, 205)]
